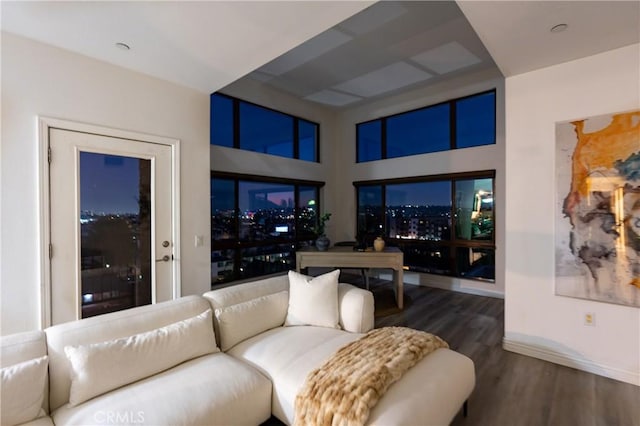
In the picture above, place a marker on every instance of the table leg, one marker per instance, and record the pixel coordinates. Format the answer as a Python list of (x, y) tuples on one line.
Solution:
[(398, 275)]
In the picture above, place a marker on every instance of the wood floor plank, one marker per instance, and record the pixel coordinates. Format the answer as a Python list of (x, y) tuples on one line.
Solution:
[(512, 389)]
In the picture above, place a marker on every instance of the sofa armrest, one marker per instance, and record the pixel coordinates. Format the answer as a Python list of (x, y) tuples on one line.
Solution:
[(356, 308)]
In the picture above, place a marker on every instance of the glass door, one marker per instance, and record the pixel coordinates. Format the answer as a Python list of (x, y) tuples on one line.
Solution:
[(111, 224)]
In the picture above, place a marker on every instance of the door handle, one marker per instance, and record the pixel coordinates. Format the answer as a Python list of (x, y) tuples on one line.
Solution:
[(165, 258)]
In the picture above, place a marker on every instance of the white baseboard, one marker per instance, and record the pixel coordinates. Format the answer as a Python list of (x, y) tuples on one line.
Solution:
[(578, 363), (442, 282)]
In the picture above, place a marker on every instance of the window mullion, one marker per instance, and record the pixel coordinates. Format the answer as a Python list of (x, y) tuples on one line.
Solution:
[(383, 191), (454, 224), (296, 212)]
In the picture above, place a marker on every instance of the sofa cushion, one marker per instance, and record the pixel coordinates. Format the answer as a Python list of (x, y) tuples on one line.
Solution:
[(213, 389), (431, 392), (25, 346), (232, 295), (286, 355), (313, 300), (23, 386), (109, 327), (100, 367), (243, 320)]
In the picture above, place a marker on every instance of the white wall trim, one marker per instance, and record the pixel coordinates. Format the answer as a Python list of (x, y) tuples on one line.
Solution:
[(44, 220), (572, 361), (445, 283)]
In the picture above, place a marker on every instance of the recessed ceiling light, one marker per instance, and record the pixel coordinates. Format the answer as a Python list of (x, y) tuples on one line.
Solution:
[(123, 46), (559, 28)]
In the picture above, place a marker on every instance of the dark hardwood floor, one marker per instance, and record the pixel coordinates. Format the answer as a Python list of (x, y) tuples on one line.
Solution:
[(511, 389)]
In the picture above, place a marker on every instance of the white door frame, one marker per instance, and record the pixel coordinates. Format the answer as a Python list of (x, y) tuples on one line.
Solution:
[(44, 203)]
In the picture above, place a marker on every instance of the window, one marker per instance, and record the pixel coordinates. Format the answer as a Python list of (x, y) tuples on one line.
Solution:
[(369, 136), (459, 123), (418, 132), (266, 131), (251, 127), (307, 140), (257, 223), (443, 224), (476, 120), (370, 210), (221, 121)]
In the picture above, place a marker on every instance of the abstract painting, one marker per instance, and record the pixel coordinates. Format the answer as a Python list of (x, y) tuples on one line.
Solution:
[(597, 233)]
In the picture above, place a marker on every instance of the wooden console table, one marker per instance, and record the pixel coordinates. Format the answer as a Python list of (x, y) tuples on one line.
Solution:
[(346, 257)]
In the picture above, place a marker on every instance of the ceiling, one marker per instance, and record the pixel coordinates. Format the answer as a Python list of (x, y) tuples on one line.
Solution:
[(353, 53), (389, 47), (518, 36), (204, 45)]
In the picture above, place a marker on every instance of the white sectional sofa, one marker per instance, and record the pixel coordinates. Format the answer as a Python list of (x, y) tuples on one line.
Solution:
[(172, 370)]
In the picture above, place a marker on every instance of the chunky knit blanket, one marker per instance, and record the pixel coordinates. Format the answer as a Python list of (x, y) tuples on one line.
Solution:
[(343, 390)]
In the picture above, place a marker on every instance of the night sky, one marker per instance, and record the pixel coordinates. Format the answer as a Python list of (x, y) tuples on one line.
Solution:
[(109, 184)]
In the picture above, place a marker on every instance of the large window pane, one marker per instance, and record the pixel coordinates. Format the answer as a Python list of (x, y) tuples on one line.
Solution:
[(419, 216), (419, 132), (476, 120), (474, 209), (223, 214), (307, 210), (221, 120), (429, 129), (307, 140), (261, 129), (115, 224), (266, 211), (265, 131), (369, 141), (266, 260), (255, 212), (476, 263), (370, 212), (419, 211), (222, 262), (427, 258)]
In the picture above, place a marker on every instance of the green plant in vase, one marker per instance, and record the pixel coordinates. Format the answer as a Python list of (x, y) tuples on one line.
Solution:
[(322, 242)]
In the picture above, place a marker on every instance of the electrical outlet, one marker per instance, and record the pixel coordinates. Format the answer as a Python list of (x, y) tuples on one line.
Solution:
[(199, 241), (590, 319)]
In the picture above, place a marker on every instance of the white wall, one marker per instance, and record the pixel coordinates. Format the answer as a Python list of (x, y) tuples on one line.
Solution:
[(537, 322), (347, 171), (38, 79)]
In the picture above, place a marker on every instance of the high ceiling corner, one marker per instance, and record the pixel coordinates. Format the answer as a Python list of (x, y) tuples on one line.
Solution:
[(519, 35)]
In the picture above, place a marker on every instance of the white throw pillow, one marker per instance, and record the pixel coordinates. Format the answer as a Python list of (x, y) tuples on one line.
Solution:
[(247, 319), (313, 300), (23, 391), (100, 367)]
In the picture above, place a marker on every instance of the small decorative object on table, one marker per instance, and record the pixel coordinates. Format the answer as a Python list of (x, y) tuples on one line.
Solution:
[(378, 244), (322, 242)]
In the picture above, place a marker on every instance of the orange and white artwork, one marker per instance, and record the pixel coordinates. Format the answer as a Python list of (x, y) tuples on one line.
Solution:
[(597, 235)]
